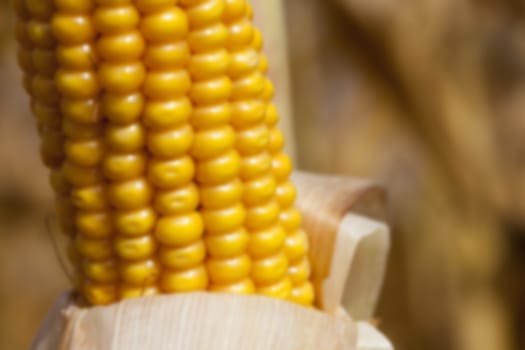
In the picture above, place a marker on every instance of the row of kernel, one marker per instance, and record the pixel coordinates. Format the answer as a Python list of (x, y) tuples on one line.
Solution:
[(169, 137), (217, 162), (296, 240), (269, 265)]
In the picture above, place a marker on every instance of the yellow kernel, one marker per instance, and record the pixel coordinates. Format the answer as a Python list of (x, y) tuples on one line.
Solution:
[(269, 269), (127, 138), (211, 116), (259, 190), (91, 198), (247, 113), (48, 116), (303, 295), (94, 225), (218, 170), (220, 196), (290, 219), (179, 230), (299, 272), (206, 13), (77, 84), (257, 42), (122, 78), (234, 10), (255, 166), (208, 39), (223, 220), (72, 29), (211, 91), (44, 61), (276, 141), (263, 64), (184, 257), (167, 25), (250, 86), (167, 84), (268, 91), (266, 242), (244, 287), (272, 117), (240, 34), (170, 143), (122, 109), (126, 291), (280, 290), (74, 6), (104, 271), (130, 195), (171, 173), (262, 216), (99, 294), (184, 281), (222, 271), (286, 194), (135, 248), (166, 114), (80, 111), (116, 19), (135, 222), (58, 182), (167, 55), (78, 57), (77, 130), (176, 201), (124, 166), (81, 176), (213, 142), (243, 62), (296, 246), (209, 65), (127, 46), (139, 273), (253, 140), (95, 249), (84, 152), (40, 34), (282, 167), (227, 245), (154, 5), (44, 89)]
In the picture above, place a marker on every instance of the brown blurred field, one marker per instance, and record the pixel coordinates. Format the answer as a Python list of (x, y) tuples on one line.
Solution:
[(426, 96)]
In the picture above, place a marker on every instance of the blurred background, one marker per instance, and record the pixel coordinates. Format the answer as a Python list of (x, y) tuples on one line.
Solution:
[(425, 96)]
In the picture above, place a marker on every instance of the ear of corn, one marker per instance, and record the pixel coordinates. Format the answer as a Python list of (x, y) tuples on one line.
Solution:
[(157, 125)]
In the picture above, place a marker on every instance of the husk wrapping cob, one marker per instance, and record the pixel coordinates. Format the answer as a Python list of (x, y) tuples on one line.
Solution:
[(157, 125)]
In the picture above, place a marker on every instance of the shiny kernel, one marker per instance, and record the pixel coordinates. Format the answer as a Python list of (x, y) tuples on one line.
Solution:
[(104, 271), (126, 291), (211, 116), (170, 143), (77, 84), (116, 19), (44, 89), (122, 109), (121, 78), (135, 222), (94, 225), (303, 295), (167, 55), (40, 34), (91, 198), (223, 220), (253, 167), (164, 26), (139, 273), (76, 130), (205, 13), (77, 57), (244, 287), (234, 10), (208, 39), (176, 201), (220, 196), (279, 290), (266, 242), (269, 269), (74, 6), (95, 249), (222, 271), (252, 141), (72, 29), (263, 64), (130, 195), (213, 142), (167, 84), (184, 257), (154, 5), (257, 41), (290, 219), (211, 91), (128, 138), (123, 47), (299, 272), (296, 246), (282, 167), (286, 194), (179, 230), (227, 245), (247, 113), (124, 166), (272, 116), (99, 294), (173, 173), (80, 111), (276, 141), (135, 248), (259, 190), (240, 34), (44, 62), (81, 176), (84, 152), (167, 114), (250, 86), (262, 216), (243, 62), (218, 170), (268, 91), (184, 281), (209, 65)]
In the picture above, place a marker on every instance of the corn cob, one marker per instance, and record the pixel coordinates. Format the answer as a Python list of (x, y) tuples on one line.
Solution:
[(157, 124)]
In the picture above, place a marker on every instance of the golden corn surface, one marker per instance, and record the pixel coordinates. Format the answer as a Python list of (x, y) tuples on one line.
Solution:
[(157, 124)]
